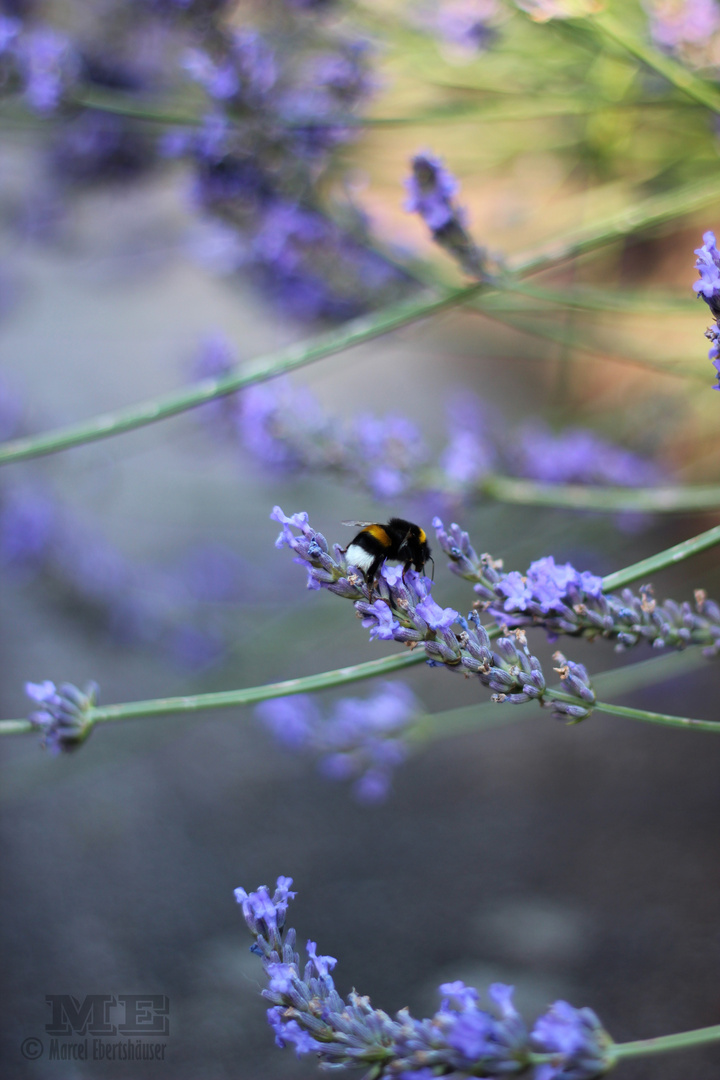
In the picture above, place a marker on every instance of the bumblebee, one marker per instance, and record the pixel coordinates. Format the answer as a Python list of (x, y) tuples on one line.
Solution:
[(398, 540)]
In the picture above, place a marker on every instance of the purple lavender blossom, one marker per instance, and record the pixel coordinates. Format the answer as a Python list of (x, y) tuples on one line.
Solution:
[(467, 24), (405, 612), (346, 73), (579, 456), (28, 523), (48, 65), (308, 1014), (677, 23), (565, 601), (470, 452), (708, 286), (359, 741), (9, 30), (65, 718), (546, 587), (292, 720), (431, 189), (246, 73), (387, 450), (583, 1047), (378, 617), (708, 266)]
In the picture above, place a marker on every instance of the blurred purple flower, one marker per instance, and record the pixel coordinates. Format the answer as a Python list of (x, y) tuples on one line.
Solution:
[(578, 456), (246, 73), (358, 741), (674, 23), (28, 524), (48, 64), (292, 720), (212, 573), (431, 189), (386, 451), (467, 24)]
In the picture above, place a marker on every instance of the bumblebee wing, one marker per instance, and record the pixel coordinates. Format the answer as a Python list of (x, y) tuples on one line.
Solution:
[(358, 524), (404, 543)]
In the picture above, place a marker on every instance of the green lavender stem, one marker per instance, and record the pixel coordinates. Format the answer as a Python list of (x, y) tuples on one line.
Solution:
[(663, 1043), (224, 699), (657, 718), (669, 557), (622, 680), (296, 356), (651, 212), (677, 74), (672, 499)]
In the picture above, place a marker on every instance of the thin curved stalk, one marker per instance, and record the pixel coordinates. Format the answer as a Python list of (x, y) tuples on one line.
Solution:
[(669, 557), (667, 500), (690, 84), (225, 699), (651, 212)]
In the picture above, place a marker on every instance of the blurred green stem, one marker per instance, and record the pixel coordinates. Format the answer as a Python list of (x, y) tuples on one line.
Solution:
[(263, 368), (677, 74), (650, 212), (669, 500)]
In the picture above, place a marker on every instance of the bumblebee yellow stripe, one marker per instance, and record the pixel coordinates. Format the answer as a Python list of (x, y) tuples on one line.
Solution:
[(380, 534)]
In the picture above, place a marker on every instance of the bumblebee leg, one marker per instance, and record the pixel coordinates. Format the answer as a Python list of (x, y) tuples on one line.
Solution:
[(372, 573)]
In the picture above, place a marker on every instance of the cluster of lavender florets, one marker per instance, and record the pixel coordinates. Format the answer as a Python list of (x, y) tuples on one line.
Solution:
[(277, 108), (307, 1013), (274, 105), (65, 718), (399, 607), (431, 191), (283, 426), (360, 741), (689, 29), (39, 60), (708, 286), (566, 601)]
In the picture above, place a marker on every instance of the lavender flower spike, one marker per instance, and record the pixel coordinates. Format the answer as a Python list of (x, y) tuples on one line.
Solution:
[(583, 1047), (406, 612), (430, 194), (708, 286), (308, 1014), (708, 266), (566, 601), (65, 718)]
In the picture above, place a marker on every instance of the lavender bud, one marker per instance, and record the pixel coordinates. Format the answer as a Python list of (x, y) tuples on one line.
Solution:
[(66, 717)]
